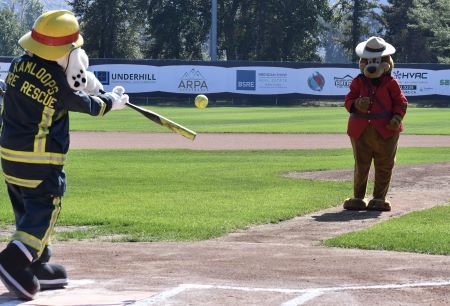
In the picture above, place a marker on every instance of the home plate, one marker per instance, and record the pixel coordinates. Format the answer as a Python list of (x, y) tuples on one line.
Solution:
[(78, 297)]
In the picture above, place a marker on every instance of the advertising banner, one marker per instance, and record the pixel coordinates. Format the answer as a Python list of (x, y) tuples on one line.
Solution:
[(4, 68), (260, 80), (314, 79)]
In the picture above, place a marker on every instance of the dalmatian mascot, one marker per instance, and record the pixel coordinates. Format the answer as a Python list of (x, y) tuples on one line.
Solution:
[(42, 86)]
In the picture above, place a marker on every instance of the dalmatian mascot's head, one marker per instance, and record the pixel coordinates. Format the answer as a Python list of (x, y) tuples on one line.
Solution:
[(375, 57), (75, 66), (56, 37)]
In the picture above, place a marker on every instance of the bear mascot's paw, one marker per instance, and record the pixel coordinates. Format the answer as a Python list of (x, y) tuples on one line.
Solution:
[(355, 204), (395, 122), (362, 104), (379, 205)]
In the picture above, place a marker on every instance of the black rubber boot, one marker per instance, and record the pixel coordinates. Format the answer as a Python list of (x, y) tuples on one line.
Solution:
[(50, 275), (14, 272)]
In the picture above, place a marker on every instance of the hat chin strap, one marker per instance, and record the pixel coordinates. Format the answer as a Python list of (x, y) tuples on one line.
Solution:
[(64, 61)]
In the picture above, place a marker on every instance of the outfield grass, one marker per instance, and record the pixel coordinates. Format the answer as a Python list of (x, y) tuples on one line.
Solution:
[(425, 121), (161, 195), (425, 231)]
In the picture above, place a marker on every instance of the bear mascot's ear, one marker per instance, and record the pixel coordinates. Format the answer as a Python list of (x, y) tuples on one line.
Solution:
[(388, 64), (362, 64), (75, 66)]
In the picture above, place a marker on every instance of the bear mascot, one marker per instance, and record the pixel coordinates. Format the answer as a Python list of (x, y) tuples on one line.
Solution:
[(377, 106), (43, 85)]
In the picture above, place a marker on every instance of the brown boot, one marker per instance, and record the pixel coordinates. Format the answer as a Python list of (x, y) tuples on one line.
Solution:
[(355, 204), (379, 205)]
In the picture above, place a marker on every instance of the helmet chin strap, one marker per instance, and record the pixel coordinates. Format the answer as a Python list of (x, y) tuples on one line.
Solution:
[(61, 61)]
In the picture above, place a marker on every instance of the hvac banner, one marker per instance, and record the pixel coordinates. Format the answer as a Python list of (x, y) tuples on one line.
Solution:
[(255, 80)]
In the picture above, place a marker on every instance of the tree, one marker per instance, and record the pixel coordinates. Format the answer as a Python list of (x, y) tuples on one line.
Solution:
[(9, 33), (177, 29), (111, 28), (419, 29), (433, 23), (271, 30), (401, 19), (355, 20), (28, 11), (17, 18)]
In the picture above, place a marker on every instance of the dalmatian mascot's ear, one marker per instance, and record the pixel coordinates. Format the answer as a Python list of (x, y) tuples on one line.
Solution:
[(75, 66)]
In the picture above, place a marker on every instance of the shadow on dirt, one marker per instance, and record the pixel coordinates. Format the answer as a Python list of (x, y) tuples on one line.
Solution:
[(346, 215)]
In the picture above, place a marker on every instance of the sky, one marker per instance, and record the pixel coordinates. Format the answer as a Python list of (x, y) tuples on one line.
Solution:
[(55, 5)]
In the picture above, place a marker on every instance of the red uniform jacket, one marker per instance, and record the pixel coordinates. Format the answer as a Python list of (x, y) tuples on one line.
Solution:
[(388, 94)]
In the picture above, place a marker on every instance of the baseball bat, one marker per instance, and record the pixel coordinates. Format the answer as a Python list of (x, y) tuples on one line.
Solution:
[(163, 121)]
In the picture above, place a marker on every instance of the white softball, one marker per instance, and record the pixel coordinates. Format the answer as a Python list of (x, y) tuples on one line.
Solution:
[(201, 101)]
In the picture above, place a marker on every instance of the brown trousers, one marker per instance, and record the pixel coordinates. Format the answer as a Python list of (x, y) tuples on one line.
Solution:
[(371, 145)]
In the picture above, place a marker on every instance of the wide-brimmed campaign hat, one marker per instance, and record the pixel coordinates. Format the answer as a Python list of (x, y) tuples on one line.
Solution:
[(54, 34), (374, 47)]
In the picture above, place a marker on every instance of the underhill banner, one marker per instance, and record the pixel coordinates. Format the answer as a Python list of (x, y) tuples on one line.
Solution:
[(255, 80)]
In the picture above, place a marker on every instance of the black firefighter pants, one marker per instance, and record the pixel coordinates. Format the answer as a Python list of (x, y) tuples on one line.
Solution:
[(36, 211)]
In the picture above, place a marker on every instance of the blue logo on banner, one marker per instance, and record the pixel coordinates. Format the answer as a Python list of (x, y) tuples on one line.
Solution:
[(316, 81), (246, 80), (102, 76)]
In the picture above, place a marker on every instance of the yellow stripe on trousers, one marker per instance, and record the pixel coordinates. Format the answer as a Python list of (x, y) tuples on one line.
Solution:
[(34, 242)]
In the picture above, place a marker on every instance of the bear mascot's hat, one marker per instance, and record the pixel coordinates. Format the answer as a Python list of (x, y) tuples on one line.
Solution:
[(374, 47), (54, 34)]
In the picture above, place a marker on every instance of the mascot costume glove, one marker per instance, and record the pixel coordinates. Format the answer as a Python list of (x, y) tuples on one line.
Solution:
[(362, 104), (118, 97), (395, 122)]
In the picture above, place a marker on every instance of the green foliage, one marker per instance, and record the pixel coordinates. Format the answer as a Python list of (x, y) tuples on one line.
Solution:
[(354, 21), (422, 231), (271, 30), (9, 33), (419, 29), (111, 28), (177, 29), (16, 18), (432, 19), (160, 29)]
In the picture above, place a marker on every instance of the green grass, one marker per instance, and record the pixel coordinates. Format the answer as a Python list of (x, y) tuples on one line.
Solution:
[(177, 195), (257, 120), (425, 231)]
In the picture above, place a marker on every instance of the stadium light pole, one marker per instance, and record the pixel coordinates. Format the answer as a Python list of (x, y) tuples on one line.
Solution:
[(213, 35)]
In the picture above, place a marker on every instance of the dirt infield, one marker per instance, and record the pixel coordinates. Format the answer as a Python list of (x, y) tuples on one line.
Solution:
[(217, 141), (276, 264)]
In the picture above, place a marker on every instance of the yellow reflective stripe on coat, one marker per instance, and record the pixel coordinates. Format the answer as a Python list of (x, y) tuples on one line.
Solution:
[(43, 129), (102, 106), (44, 158), (29, 240), (22, 182)]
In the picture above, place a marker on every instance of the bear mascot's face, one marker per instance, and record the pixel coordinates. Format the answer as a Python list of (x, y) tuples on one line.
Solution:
[(373, 68)]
